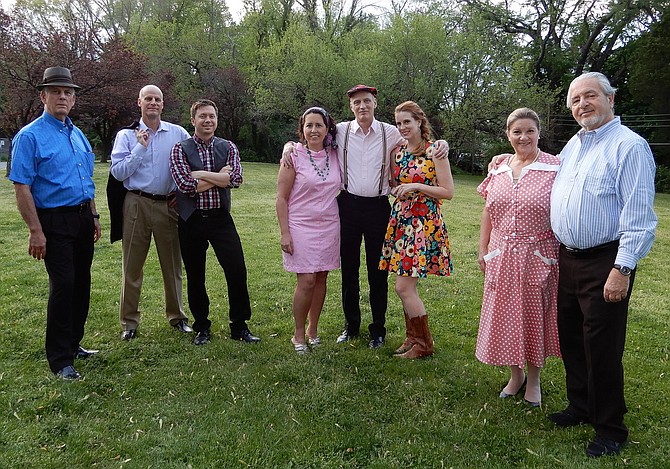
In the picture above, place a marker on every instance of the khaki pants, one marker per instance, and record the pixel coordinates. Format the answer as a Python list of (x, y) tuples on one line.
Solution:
[(143, 217)]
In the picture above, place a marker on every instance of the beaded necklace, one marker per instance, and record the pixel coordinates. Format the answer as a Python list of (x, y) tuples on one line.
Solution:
[(321, 172)]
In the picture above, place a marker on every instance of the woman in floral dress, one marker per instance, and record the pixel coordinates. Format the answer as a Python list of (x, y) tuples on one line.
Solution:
[(416, 242)]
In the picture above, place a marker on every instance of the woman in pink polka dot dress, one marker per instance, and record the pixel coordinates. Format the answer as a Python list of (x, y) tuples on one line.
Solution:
[(518, 254)]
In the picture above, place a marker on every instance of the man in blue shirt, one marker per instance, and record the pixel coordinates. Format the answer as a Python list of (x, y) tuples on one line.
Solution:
[(52, 171), (602, 212)]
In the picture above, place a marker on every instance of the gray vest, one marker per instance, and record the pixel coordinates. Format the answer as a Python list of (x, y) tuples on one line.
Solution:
[(185, 204)]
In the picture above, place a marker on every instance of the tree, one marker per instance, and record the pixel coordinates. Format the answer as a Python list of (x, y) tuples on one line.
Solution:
[(645, 91), (24, 54), (466, 78), (109, 77), (109, 92), (568, 37)]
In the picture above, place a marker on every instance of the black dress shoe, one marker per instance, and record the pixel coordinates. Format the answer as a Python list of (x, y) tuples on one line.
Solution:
[(601, 446), (182, 326), (68, 373), (202, 337), (345, 336), (128, 334), (83, 353), (376, 342), (246, 336), (566, 418)]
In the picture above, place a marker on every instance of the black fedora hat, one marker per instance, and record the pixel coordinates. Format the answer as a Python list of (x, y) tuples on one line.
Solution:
[(57, 76)]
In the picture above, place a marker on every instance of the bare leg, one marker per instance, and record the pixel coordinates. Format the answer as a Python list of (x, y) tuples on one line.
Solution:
[(302, 300), (515, 382), (407, 290), (318, 298), (533, 391)]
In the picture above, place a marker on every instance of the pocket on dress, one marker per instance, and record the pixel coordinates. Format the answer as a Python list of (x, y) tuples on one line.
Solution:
[(492, 254), (540, 268), (492, 274)]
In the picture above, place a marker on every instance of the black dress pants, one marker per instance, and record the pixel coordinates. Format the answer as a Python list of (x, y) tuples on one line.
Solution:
[(69, 255), (366, 219), (215, 227), (592, 334)]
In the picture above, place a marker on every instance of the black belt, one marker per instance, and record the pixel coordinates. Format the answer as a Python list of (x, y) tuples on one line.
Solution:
[(600, 247), (149, 196), (81, 208), (211, 212)]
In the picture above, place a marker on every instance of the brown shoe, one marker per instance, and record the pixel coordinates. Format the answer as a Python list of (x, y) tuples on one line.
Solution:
[(409, 337), (423, 345)]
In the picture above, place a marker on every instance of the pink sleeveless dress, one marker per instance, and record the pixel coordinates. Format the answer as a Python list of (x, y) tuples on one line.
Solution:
[(313, 217)]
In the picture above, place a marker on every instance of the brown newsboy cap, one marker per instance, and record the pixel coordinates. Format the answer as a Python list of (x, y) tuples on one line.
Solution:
[(357, 88), (57, 76)]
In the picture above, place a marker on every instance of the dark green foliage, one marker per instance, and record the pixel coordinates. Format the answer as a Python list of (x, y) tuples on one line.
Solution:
[(663, 179)]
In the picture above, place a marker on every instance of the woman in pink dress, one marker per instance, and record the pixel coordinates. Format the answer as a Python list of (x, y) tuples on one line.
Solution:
[(518, 254), (309, 220)]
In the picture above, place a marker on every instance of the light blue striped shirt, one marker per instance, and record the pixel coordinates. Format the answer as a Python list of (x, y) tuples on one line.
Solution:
[(55, 159), (604, 191), (146, 169)]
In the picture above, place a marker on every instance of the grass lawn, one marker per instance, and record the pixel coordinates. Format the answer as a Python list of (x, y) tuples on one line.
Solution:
[(159, 401)]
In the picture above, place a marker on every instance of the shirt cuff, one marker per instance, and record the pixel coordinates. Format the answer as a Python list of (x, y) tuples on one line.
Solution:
[(626, 260)]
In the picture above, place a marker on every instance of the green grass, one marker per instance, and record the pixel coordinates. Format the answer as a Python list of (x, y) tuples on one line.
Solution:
[(158, 401)]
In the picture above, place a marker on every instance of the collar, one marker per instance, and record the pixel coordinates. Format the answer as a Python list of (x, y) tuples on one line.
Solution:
[(200, 141), (602, 131), (57, 123), (355, 126), (161, 127)]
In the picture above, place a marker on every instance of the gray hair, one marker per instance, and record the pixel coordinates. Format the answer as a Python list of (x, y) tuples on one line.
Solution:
[(604, 82)]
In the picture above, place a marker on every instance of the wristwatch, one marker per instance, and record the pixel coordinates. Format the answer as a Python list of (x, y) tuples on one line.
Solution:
[(96, 215), (625, 271)]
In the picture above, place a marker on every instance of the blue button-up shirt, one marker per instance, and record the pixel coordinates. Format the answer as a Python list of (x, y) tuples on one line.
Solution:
[(604, 191), (146, 169), (55, 159)]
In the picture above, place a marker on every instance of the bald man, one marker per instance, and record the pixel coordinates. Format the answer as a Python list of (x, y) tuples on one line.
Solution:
[(140, 159)]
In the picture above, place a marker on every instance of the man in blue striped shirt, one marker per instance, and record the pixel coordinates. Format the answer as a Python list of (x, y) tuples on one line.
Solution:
[(602, 213), (52, 171)]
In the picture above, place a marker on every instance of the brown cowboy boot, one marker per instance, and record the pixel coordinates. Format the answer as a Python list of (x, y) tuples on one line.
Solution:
[(409, 337), (423, 341)]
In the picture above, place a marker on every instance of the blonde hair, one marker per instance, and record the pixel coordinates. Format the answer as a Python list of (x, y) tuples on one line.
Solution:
[(523, 113)]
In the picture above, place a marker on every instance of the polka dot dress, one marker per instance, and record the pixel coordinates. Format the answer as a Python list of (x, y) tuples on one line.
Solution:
[(518, 317)]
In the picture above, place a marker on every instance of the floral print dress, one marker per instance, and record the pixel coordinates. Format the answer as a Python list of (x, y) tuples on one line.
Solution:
[(416, 242)]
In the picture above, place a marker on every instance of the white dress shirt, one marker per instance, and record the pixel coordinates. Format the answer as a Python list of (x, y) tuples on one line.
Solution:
[(365, 157)]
